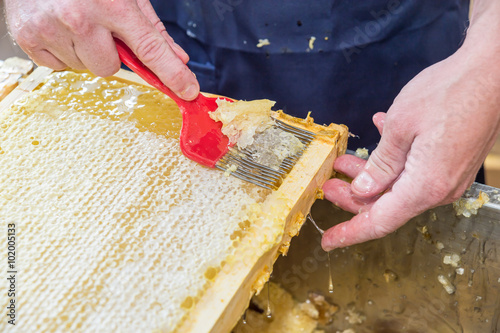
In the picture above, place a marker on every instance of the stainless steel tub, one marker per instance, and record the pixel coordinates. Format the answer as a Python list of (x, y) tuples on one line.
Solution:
[(393, 282)]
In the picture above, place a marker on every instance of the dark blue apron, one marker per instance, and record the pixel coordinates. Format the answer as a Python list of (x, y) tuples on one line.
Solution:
[(343, 60)]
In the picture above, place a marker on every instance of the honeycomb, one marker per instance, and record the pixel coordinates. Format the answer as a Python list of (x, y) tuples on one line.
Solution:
[(117, 230), (241, 120)]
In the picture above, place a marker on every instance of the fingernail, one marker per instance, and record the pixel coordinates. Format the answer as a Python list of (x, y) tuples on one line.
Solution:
[(363, 183), (327, 244), (190, 93), (328, 247), (180, 49)]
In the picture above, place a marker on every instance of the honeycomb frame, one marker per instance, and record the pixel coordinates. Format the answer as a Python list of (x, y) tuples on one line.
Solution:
[(220, 307)]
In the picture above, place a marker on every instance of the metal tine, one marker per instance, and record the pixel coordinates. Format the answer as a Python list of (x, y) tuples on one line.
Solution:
[(305, 142), (259, 182), (297, 129), (261, 175), (256, 170), (234, 152), (280, 122), (287, 164), (251, 176), (252, 169), (250, 159), (254, 173), (251, 180), (293, 159), (262, 168), (302, 138)]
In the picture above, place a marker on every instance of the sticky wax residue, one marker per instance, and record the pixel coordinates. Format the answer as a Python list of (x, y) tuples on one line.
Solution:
[(451, 259), (447, 285), (241, 120), (469, 206), (249, 125), (263, 42), (274, 145), (287, 314), (107, 178), (362, 153)]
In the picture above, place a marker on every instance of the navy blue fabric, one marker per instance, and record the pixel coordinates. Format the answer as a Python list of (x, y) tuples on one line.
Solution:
[(364, 52)]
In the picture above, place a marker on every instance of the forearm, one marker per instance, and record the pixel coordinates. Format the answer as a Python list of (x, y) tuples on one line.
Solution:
[(435, 135), (484, 29), (485, 8), (476, 66)]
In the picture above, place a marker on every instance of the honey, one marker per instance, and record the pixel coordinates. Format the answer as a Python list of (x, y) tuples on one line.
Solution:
[(117, 220), (119, 229)]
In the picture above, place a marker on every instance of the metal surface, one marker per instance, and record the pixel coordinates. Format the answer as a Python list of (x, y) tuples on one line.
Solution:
[(261, 175), (393, 281)]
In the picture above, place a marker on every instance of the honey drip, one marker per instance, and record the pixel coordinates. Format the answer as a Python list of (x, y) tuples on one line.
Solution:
[(321, 231), (330, 280), (269, 313), (244, 318), (99, 161)]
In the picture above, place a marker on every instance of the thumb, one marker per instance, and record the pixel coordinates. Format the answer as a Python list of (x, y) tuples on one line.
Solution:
[(379, 120), (149, 12), (155, 52), (385, 164)]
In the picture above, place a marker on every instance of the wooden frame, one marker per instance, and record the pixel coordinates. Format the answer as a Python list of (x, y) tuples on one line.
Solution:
[(222, 305)]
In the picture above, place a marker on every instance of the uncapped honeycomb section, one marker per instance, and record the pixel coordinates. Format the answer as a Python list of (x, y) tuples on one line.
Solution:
[(118, 231)]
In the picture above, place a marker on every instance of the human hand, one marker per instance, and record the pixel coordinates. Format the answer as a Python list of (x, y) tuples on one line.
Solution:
[(434, 139), (79, 34)]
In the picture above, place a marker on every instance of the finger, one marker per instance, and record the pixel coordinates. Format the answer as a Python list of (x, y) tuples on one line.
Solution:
[(61, 46), (47, 59), (340, 194), (379, 120), (66, 52), (349, 165), (150, 13), (98, 53), (388, 213), (152, 49), (386, 162)]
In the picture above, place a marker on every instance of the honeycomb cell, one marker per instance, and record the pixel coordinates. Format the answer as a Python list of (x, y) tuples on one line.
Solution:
[(114, 221)]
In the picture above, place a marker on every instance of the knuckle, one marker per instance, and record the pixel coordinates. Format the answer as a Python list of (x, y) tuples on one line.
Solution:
[(379, 231), (177, 75), (28, 36), (48, 61), (441, 193), (153, 52), (160, 26), (383, 162), (150, 49), (108, 70), (57, 66), (74, 20), (27, 42)]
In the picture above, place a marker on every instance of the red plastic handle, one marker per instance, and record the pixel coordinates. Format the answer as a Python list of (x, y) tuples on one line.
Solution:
[(130, 59), (201, 137)]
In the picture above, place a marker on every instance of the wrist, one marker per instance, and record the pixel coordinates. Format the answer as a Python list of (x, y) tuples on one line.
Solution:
[(482, 34)]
